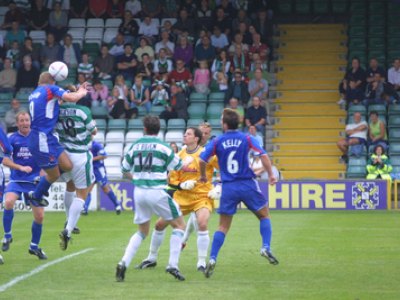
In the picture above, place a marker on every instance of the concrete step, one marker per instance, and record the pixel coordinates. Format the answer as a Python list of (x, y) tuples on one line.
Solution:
[(320, 122), (311, 167), (309, 160), (312, 175), (314, 148), (305, 69), (306, 96)]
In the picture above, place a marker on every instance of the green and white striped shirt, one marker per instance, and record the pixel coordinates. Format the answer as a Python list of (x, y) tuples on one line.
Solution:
[(149, 159), (74, 127)]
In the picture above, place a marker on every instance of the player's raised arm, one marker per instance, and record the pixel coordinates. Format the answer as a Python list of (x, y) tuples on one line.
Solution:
[(78, 95)]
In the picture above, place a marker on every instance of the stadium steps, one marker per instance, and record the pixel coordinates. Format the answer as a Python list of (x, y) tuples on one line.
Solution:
[(306, 121)]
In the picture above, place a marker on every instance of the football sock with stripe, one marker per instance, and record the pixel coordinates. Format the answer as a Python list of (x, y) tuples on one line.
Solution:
[(157, 238), (175, 245)]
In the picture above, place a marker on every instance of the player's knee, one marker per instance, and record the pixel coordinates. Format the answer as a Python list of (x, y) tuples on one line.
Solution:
[(9, 204), (160, 226)]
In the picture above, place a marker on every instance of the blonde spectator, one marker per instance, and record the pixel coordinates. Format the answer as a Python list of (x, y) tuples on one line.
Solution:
[(121, 86)]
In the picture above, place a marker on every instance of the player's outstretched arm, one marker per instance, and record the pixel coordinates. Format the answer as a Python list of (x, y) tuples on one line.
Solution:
[(266, 162), (78, 95), (203, 177), (9, 163)]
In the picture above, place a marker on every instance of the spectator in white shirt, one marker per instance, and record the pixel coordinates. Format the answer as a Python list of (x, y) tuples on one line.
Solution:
[(118, 48), (394, 74), (134, 6), (219, 39), (166, 44), (148, 28)]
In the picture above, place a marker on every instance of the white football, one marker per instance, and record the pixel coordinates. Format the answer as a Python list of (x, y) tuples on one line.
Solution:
[(58, 70)]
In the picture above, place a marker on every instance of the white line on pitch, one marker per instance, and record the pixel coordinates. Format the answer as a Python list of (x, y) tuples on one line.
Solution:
[(40, 269)]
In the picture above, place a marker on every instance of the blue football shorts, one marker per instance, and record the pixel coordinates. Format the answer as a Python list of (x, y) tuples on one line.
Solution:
[(45, 148), (101, 176)]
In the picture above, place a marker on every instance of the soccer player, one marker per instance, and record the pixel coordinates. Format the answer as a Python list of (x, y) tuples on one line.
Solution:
[(24, 171), (99, 155), (75, 127), (191, 197), (42, 142), (238, 183), (147, 163), (5, 151)]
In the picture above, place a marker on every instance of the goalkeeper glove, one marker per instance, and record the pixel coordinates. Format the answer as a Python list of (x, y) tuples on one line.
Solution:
[(187, 185), (215, 193)]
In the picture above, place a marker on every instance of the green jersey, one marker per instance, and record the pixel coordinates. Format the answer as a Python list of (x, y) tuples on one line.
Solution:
[(75, 127), (149, 159)]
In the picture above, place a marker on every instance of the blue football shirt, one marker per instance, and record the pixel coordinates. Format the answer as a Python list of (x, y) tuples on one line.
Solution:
[(5, 146), (98, 149)]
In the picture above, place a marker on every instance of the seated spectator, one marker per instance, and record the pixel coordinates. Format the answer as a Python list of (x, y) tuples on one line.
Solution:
[(237, 89), (126, 63), (181, 76), (115, 9), (152, 8), (129, 27), (116, 105), (221, 64), (356, 134), (85, 101), (122, 87), (380, 92), (184, 24), (85, 67), (379, 166), (374, 68), (134, 7), (104, 63), (58, 21), (240, 61), (258, 86), (234, 105), (259, 48), (205, 51), (190, 7), (24, 6), (264, 26), (144, 47), (170, 9), (353, 94), (394, 75), (256, 115), (177, 107), (222, 82), (27, 76), (8, 77), (245, 32), (229, 10), (166, 44), (256, 63), (253, 132), (39, 16), (65, 5), (241, 18), (139, 96), (13, 53), (117, 48), (222, 21), (162, 66), (33, 52), (10, 117), (238, 42), (79, 9), (50, 52), (99, 94), (202, 78), (145, 69), (148, 28), (258, 169), (167, 26), (15, 33), (355, 74), (174, 147), (184, 51), (218, 39), (204, 15), (377, 130), (70, 53), (97, 9), (159, 95), (14, 14)]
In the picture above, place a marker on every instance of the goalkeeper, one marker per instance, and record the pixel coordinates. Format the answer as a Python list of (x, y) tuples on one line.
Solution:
[(191, 196)]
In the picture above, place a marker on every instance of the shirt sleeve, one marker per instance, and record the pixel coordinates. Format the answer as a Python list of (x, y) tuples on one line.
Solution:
[(255, 146), (209, 151), (5, 146), (174, 162), (57, 91)]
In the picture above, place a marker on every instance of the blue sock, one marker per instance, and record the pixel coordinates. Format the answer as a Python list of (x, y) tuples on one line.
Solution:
[(36, 234), (87, 202), (113, 198), (42, 187), (218, 241), (8, 216), (266, 232)]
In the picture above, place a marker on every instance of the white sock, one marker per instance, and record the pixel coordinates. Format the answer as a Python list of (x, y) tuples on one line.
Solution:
[(68, 198), (133, 246), (157, 238), (190, 226), (175, 248), (74, 214), (203, 240)]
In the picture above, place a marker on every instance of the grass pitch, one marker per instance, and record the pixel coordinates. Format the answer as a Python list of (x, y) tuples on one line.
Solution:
[(323, 255)]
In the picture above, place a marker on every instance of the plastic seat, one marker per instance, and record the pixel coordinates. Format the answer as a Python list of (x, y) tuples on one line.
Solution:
[(357, 161), (109, 35), (94, 35), (197, 110), (176, 124), (339, 6), (394, 109), (215, 123), (157, 110), (114, 149), (285, 6), (132, 136), (115, 137), (356, 172), (357, 31), (357, 108), (135, 124), (321, 6), (394, 121), (101, 124), (38, 36), (356, 43), (99, 137), (394, 135), (113, 23), (95, 23), (363, 152), (214, 111), (302, 6), (395, 160), (174, 136), (194, 122), (76, 23), (116, 124), (99, 112), (172, 20), (379, 108)]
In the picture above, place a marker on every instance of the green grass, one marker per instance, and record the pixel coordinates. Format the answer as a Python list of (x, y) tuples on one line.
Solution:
[(323, 255)]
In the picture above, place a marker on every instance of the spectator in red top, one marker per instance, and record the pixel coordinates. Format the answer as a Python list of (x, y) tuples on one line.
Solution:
[(180, 76), (97, 9), (115, 9), (259, 47)]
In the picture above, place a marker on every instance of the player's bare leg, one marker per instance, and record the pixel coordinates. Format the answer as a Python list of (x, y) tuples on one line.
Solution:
[(203, 238)]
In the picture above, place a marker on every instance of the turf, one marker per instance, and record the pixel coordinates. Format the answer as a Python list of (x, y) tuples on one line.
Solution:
[(323, 255)]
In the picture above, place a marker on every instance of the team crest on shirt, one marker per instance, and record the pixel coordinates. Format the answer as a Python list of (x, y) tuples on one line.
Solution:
[(365, 195), (52, 158)]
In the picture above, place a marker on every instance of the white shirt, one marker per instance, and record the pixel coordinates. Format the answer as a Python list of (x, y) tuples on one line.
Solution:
[(360, 134), (219, 41), (394, 76), (170, 45), (148, 30), (134, 6), (116, 50)]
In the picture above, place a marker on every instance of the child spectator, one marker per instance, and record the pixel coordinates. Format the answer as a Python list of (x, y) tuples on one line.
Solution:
[(202, 76), (86, 67), (121, 86), (13, 54), (99, 94), (159, 96)]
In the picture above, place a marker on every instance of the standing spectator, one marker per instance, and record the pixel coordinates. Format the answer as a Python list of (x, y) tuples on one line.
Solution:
[(116, 105), (234, 105), (258, 86), (139, 96), (97, 9), (33, 52), (177, 107), (256, 115), (39, 16), (99, 94), (184, 24), (145, 69), (218, 39), (184, 51), (104, 63), (13, 14), (50, 51), (115, 9), (58, 21), (394, 75), (181, 76), (237, 89), (144, 47), (166, 44), (8, 77), (202, 78), (152, 8), (376, 130), (117, 48), (126, 63), (85, 67), (374, 68), (379, 166), (79, 9), (27, 76), (70, 53), (357, 75), (129, 27), (134, 7), (205, 51), (356, 134), (148, 28), (15, 34), (162, 66), (10, 117)]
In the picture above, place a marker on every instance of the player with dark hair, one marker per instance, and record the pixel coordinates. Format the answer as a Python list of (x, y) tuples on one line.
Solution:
[(238, 183)]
